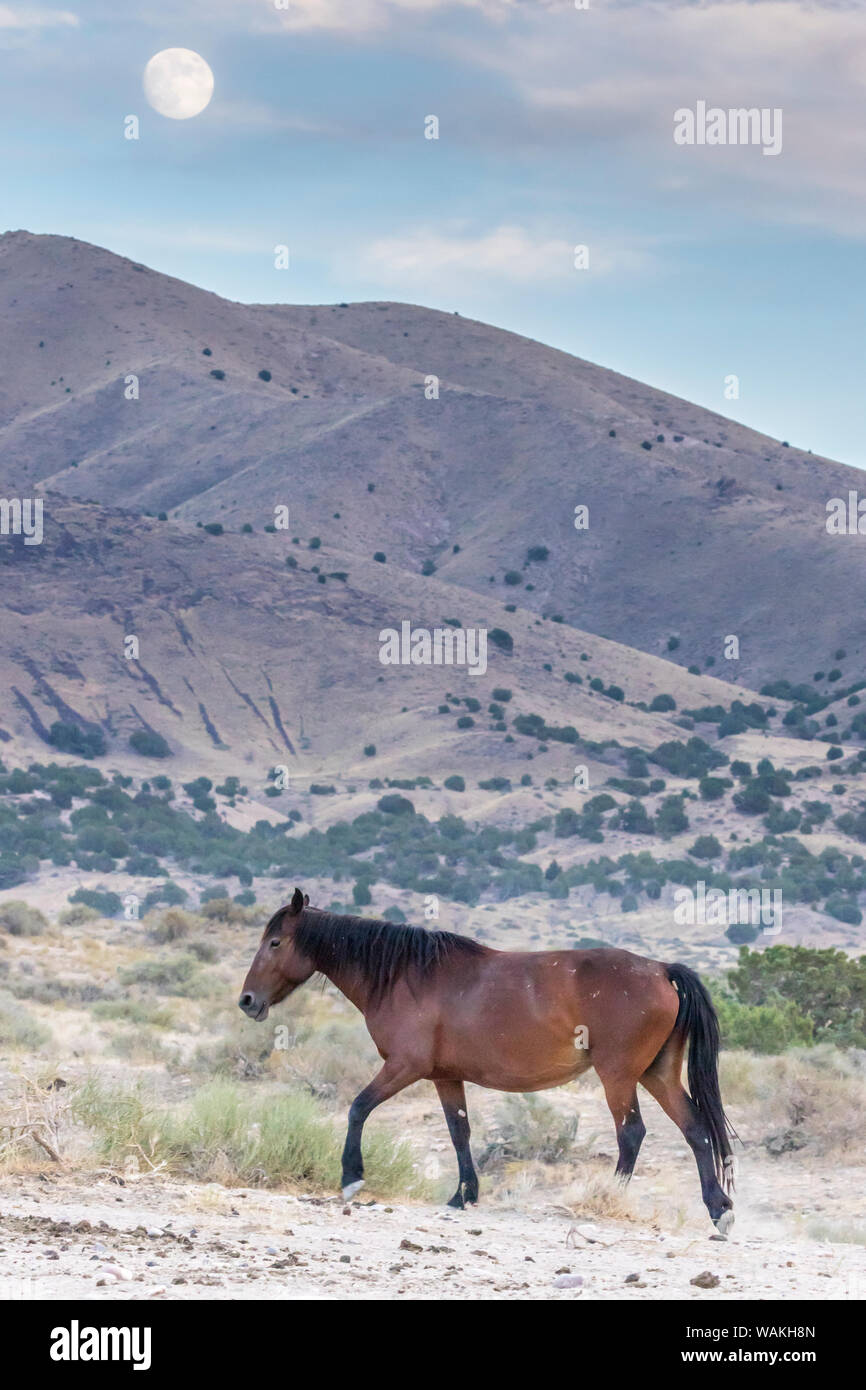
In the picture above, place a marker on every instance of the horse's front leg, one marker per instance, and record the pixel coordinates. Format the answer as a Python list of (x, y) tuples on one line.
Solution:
[(453, 1098), (393, 1077)]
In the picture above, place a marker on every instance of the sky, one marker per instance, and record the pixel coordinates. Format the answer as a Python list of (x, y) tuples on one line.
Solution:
[(556, 129)]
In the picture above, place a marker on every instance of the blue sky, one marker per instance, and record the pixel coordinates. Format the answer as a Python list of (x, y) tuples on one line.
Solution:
[(555, 130)]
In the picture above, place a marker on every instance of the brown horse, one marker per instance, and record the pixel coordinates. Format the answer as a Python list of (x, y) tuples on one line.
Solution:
[(446, 1009)]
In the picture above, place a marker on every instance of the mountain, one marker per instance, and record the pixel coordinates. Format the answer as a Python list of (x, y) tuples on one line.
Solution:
[(159, 629), (698, 527)]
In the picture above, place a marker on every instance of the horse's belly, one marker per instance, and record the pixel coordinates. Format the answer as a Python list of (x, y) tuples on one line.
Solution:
[(534, 1061)]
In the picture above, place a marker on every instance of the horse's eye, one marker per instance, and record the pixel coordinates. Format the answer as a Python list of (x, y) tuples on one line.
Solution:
[(275, 943)]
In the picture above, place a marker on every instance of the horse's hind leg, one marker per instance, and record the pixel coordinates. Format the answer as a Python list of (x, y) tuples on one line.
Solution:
[(453, 1098), (662, 1080), (621, 1094)]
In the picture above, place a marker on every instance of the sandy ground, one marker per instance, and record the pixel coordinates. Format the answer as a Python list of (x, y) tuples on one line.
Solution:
[(90, 1238)]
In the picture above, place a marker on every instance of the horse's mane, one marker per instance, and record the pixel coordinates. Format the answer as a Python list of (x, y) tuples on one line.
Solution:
[(382, 952)]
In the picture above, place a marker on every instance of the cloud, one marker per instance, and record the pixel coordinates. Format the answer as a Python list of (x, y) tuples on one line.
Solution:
[(510, 253), (24, 17), (361, 16)]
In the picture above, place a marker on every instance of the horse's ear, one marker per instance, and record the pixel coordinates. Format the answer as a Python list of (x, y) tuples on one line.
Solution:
[(298, 901), (306, 900)]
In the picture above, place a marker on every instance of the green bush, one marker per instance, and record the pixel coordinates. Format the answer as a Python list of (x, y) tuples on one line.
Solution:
[(84, 743), (107, 904), (706, 847), (768, 1028), (149, 743), (826, 986)]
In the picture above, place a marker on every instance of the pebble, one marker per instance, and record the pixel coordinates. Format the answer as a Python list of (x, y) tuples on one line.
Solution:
[(568, 1281)]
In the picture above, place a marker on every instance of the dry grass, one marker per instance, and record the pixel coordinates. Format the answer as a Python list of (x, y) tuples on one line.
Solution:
[(809, 1099)]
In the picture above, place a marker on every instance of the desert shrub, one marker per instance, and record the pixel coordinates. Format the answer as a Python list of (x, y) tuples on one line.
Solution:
[(19, 919), (692, 759), (844, 910), (529, 1127), (501, 639), (169, 975), (705, 847), (173, 925), (224, 1134), (663, 703), (742, 933), (455, 783), (394, 805), (752, 800), (75, 916), (149, 743), (150, 1015), (18, 1028), (670, 818), (764, 1028), (826, 986), (808, 1099), (221, 909), (713, 788), (103, 902), (84, 743)]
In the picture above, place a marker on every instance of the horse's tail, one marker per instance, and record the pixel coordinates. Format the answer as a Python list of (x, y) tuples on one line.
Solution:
[(698, 1022)]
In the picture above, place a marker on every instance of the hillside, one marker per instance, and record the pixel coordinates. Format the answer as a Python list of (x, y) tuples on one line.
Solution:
[(242, 408)]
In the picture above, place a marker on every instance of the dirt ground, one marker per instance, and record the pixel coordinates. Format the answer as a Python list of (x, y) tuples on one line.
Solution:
[(102, 1237)]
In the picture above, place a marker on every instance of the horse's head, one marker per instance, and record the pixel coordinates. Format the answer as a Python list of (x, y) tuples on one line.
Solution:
[(278, 967)]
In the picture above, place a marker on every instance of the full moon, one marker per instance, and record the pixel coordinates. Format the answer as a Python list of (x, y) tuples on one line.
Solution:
[(178, 83)]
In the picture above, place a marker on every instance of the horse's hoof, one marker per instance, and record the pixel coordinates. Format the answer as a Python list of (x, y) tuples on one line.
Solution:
[(457, 1201), (724, 1222), (351, 1188)]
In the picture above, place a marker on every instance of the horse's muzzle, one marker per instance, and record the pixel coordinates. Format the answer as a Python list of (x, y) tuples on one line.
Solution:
[(254, 1006)]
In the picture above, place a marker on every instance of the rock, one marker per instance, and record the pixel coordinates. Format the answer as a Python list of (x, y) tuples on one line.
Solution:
[(119, 1272), (568, 1281), (706, 1280), (632, 1278), (410, 1245)]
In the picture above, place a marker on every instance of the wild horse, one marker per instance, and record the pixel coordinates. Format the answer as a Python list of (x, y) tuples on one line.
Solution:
[(446, 1009)]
